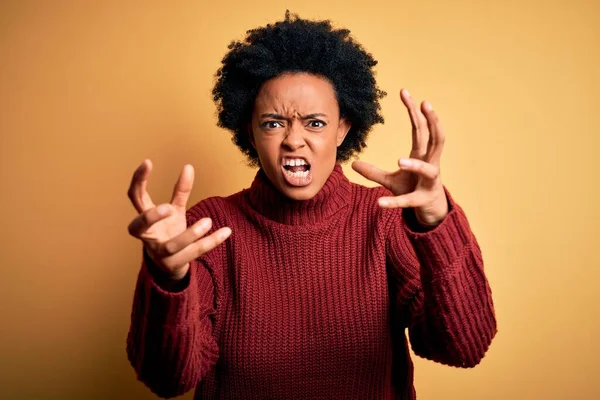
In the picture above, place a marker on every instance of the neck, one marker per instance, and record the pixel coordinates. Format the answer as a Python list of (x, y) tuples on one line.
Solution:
[(268, 201)]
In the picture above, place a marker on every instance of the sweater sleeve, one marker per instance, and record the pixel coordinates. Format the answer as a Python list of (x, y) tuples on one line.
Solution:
[(442, 294), (170, 342)]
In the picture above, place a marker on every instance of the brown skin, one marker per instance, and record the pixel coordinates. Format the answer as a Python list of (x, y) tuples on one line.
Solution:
[(163, 229), (417, 184), (285, 124)]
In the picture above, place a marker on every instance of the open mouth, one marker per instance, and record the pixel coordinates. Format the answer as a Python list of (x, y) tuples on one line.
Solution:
[(296, 171)]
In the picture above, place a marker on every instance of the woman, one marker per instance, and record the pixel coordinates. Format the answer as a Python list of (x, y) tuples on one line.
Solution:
[(303, 285)]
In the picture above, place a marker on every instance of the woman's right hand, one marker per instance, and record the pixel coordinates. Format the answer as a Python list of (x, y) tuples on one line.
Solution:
[(167, 240)]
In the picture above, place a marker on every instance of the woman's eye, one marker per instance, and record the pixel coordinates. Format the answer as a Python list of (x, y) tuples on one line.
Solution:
[(316, 124), (271, 124)]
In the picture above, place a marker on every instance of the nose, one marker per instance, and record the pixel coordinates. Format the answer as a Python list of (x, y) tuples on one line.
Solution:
[(294, 138)]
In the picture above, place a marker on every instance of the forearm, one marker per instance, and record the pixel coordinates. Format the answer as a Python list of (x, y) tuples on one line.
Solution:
[(453, 321), (170, 343)]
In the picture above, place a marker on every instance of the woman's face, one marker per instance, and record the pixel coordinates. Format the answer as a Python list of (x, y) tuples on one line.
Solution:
[(296, 129)]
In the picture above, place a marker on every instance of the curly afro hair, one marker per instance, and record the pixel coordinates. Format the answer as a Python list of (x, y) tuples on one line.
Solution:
[(298, 45)]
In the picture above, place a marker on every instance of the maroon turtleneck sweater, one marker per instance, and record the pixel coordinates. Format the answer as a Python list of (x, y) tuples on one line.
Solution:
[(311, 300)]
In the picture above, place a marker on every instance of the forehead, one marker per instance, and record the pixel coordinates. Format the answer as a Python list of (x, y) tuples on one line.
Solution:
[(299, 92)]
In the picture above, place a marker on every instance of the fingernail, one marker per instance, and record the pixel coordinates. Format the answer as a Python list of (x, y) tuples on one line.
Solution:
[(163, 209), (383, 202), (407, 93), (203, 225), (225, 233), (428, 106), (405, 162)]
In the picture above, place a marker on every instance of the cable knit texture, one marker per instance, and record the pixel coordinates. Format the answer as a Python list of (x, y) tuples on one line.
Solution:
[(312, 300)]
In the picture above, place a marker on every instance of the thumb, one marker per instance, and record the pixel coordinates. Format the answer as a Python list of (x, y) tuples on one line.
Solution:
[(372, 173)]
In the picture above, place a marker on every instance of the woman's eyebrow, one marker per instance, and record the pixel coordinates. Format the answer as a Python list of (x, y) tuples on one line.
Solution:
[(303, 117), (274, 116), (315, 115)]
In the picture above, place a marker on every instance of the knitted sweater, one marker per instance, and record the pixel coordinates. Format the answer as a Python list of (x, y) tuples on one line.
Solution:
[(311, 300)]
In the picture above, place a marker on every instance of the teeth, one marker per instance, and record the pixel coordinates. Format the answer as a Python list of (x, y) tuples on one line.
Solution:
[(293, 162), (299, 174)]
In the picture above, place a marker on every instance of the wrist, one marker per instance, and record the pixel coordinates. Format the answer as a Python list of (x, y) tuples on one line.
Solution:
[(169, 281), (432, 216), (430, 221)]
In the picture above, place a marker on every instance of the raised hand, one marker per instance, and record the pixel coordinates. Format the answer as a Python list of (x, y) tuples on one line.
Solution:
[(163, 229), (417, 184)]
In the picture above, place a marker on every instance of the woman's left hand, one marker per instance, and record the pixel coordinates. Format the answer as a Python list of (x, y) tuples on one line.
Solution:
[(417, 184)]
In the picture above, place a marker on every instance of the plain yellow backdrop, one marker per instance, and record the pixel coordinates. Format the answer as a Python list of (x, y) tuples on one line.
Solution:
[(88, 89)]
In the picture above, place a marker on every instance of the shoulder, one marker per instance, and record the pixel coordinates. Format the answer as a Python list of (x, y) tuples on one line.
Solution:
[(364, 201), (220, 209), (365, 193), (223, 211)]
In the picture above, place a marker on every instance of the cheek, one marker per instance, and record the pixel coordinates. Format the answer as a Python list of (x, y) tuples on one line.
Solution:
[(267, 147), (326, 141)]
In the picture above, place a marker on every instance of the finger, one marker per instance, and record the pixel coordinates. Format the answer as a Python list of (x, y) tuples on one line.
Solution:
[(211, 241), (436, 134), (137, 188), (418, 124), (147, 218), (183, 187), (372, 173), (409, 200), (198, 248), (184, 239), (420, 167)]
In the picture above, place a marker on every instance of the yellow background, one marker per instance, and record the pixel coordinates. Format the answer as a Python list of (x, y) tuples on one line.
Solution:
[(88, 89)]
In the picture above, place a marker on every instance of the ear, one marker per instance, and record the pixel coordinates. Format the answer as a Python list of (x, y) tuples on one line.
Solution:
[(343, 129), (250, 134)]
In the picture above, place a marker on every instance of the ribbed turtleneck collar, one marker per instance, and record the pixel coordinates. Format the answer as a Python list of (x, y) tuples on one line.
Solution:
[(268, 201)]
